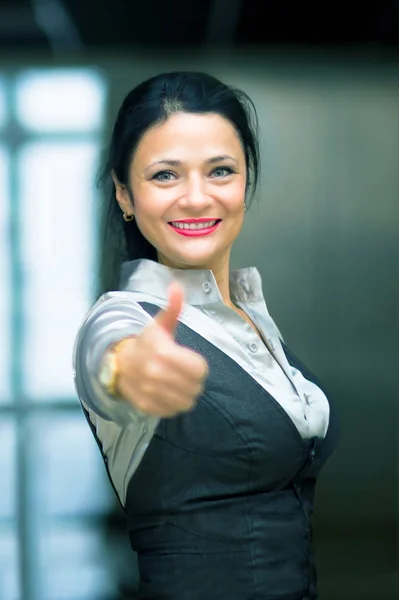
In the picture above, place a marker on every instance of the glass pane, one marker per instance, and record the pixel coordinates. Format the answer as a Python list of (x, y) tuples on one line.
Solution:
[(3, 109), (75, 564), (60, 100), (57, 228), (9, 582), (67, 469), (5, 279), (7, 468)]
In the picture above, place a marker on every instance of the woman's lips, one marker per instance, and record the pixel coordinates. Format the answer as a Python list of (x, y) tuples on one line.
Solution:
[(196, 232)]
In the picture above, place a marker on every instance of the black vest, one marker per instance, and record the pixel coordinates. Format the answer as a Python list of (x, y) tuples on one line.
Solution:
[(221, 503)]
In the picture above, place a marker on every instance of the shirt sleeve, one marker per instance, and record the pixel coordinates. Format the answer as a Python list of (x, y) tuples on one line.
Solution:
[(113, 317)]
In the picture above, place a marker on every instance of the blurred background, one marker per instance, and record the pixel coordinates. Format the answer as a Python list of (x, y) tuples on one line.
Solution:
[(323, 232)]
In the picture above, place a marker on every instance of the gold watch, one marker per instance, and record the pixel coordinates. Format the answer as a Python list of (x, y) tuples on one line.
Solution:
[(108, 374)]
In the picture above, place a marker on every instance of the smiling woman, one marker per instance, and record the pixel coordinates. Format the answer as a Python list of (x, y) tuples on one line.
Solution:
[(212, 430), (195, 189), (179, 107)]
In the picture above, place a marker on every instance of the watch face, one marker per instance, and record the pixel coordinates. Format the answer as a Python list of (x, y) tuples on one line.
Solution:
[(106, 372)]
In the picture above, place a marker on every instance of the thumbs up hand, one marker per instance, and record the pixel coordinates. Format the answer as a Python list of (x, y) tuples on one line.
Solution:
[(156, 375)]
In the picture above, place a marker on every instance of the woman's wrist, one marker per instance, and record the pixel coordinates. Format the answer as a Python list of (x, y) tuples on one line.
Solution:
[(109, 371)]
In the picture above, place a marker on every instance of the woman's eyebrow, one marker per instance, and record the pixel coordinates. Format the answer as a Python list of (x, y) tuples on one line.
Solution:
[(216, 159), (169, 163)]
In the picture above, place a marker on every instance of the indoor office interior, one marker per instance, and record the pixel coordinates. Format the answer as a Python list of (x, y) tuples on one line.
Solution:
[(323, 230)]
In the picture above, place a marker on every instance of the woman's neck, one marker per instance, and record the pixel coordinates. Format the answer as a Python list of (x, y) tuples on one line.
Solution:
[(222, 280)]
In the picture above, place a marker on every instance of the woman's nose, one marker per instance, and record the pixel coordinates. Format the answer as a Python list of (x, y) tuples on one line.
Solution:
[(196, 192)]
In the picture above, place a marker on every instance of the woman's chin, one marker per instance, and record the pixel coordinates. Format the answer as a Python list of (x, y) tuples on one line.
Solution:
[(188, 260)]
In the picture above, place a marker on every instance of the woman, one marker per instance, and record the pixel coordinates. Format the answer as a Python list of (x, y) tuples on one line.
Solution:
[(212, 431)]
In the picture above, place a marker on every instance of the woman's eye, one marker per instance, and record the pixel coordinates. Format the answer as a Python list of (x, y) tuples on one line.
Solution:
[(164, 176), (222, 172)]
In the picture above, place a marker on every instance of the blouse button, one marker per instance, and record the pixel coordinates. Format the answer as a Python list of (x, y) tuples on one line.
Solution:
[(206, 286), (253, 347)]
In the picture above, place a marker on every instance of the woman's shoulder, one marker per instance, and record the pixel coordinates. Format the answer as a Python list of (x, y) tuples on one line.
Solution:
[(116, 304)]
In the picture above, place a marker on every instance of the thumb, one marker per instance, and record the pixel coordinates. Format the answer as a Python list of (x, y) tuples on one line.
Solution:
[(167, 319)]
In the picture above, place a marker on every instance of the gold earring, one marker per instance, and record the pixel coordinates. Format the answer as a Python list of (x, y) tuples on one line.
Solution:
[(128, 218)]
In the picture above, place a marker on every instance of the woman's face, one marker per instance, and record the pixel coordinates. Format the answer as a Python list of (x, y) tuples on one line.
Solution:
[(187, 171)]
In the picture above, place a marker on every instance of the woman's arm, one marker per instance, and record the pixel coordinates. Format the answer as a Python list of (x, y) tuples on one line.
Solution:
[(155, 375), (114, 317)]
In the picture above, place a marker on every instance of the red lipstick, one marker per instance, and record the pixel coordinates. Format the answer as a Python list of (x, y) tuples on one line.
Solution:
[(195, 232)]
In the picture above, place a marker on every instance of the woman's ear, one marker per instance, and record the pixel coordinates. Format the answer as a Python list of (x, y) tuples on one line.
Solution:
[(122, 195)]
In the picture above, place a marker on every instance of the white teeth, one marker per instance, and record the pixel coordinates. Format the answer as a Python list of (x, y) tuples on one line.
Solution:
[(193, 225)]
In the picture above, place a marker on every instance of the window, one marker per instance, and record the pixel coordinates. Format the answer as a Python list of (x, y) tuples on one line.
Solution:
[(5, 272), (55, 485)]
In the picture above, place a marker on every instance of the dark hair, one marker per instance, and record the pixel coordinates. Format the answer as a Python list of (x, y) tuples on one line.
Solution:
[(151, 103)]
